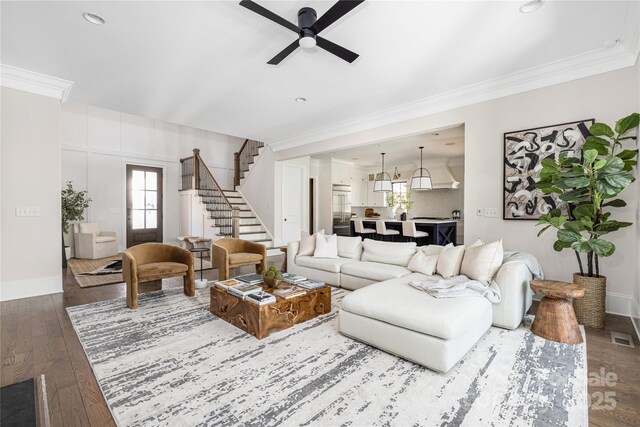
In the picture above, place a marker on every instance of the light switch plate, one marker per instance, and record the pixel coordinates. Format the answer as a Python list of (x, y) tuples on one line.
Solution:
[(114, 211), (479, 212), (491, 212), (28, 211)]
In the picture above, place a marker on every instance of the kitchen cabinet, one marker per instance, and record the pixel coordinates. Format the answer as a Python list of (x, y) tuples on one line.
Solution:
[(358, 191), (340, 173), (375, 198)]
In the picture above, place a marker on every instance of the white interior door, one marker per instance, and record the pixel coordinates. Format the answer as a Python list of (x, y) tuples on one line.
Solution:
[(291, 203)]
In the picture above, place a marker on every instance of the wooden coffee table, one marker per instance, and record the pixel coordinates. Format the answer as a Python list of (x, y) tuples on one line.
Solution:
[(282, 314)]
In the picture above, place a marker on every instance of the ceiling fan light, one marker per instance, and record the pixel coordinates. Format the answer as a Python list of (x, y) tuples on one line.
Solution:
[(531, 6), (307, 42)]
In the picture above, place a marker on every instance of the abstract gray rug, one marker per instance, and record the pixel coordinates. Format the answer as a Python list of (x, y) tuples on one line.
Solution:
[(171, 363)]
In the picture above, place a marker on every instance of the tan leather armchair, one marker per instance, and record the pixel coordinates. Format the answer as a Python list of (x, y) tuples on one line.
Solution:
[(155, 261), (232, 253)]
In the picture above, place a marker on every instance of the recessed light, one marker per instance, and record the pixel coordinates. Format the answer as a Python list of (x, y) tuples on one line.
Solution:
[(301, 99), (531, 6), (93, 18), (450, 143), (376, 145), (355, 158), (435, 134)]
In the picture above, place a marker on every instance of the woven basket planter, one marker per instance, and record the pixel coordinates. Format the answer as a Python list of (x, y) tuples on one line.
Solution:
[(590, 308)]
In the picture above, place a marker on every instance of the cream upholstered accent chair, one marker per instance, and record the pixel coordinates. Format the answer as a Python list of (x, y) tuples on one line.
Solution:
[(151, 262), (409, 231), (92, 243), (360, 228), (383, 233), (230, 253)]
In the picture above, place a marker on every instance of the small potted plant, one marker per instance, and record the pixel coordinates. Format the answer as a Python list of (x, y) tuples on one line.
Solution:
[(272, 277), (73, 205), (400, 201), (589, 188)]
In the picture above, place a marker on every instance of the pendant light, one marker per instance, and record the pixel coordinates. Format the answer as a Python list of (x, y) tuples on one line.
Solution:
[(383, 180), (421, 179), (396, 174)]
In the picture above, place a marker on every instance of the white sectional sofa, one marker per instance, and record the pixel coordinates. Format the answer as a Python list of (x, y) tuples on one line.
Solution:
[(386, 312)]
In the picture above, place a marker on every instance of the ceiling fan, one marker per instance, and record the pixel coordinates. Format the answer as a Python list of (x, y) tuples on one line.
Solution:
[(308, 28)]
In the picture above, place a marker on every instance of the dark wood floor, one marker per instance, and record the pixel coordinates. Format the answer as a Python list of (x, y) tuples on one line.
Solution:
[(37, 338)]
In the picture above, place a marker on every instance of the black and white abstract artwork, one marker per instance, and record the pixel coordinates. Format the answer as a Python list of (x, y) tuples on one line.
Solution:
[(524, 151)]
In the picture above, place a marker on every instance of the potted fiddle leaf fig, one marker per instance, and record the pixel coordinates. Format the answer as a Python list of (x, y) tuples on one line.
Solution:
[(589, 188), (73, 204)]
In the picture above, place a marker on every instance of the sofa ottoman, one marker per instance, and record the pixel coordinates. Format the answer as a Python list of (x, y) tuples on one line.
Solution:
[(400, 319)]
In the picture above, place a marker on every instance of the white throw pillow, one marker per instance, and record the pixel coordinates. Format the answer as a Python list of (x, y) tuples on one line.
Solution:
[(326, 246), (349, 247), (307, 243), (482, 261), (434, 249), (388, 252), (450, 261), (425, 264), (89, 228)]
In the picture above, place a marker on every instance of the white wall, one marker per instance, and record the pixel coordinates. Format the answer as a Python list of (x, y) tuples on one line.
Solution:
[(97, 144), (258, 188), (607, 97), (31, 262)]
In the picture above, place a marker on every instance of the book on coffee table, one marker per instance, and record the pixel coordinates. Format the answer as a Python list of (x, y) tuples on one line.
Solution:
[(251, 279), (310, 284), (293, 278), (244, 289), (289, 292), (226, 284), (260, 298)]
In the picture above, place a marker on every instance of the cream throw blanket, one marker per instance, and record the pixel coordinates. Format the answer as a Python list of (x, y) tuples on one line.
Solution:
[(462, 286)]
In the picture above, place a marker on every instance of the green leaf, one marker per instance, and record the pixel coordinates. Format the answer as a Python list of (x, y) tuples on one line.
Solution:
[(629, 164), (621, 180), (601, 247), (612, 165), (599, 129), (557, 221), (625, 124), (615, 203), (575, 226), (580, 182), (596, 143), (599, 164), (559, 245), (627, 154), (568, 236), (590, 155), (581, 246), (610, 226), (575, 196), (605, 188), (550, 163), (543, 230)]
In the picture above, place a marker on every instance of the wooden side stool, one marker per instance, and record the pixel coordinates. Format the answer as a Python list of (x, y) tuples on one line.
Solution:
[(555, 319)]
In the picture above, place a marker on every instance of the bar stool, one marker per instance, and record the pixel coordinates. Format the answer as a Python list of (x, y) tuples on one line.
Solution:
[(359, 226), (410, 233), (381, 230)]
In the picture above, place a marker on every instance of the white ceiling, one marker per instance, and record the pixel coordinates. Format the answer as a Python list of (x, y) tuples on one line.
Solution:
[(438, 145), (203, 64)]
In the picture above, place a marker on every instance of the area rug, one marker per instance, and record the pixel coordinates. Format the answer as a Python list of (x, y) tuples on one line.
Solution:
[(18, 404), (81, 267), (172, 363)]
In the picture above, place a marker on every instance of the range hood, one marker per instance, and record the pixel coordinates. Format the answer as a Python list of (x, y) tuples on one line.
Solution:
[(442, 177)]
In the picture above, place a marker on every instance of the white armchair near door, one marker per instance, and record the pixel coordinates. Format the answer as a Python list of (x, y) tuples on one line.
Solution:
[(91, 243)]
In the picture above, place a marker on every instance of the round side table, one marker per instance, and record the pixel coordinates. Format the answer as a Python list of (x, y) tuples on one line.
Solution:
[(199, 284), (555, 319)]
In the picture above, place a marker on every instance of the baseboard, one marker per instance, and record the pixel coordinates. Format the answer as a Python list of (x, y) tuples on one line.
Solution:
[(635, 316), (16, 289), (620, 304)]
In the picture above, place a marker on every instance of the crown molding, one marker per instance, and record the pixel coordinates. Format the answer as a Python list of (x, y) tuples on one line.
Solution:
[(584, 65), (30, 81)]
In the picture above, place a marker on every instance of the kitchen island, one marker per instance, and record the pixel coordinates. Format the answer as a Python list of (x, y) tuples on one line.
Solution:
[(441, 231)]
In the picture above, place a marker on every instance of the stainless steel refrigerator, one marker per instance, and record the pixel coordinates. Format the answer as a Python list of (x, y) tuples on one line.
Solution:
[(341, 202)]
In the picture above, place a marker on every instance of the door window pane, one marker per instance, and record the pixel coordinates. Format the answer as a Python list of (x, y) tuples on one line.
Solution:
[(137, 219), (137, 180), (152, 181), (151, 202), (137, 199), (152, 219)]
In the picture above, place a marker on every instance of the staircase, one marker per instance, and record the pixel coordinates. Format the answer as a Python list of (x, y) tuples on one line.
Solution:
[(227, 212)]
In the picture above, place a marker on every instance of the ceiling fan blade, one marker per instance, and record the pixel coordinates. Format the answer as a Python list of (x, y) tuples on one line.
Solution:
[(255, 7), (337, 11), (285, 52), (338, 51)]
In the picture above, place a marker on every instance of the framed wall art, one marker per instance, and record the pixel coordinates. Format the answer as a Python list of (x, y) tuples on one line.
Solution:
[(524, 150)]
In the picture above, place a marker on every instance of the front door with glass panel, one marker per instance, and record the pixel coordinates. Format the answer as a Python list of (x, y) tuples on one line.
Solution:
[(144, 205)]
